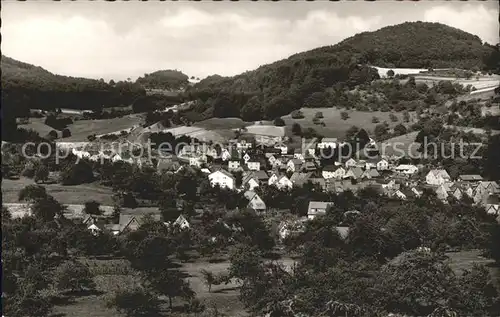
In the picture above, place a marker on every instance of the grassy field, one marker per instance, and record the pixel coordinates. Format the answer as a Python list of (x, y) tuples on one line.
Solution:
[(81, 129), (334, 125), (77, 194)]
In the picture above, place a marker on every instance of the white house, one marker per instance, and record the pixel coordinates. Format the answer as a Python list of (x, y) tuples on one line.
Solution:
[(243, 145), (253, 166), (222, 178), (225, 155), (317, 208), (271, 159), (283, 148), (195, 161), (441, 192), (294, 165), (251, 181), (327, 143), (273, 179), (181, 222), (299, 156), (246, 157), (336, 172), (382, 165), (254, 201), (284, 183), (407, 169), (437, 177), (233, 165)]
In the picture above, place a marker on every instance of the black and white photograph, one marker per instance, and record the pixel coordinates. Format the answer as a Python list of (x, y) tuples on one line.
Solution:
[(250, 158)]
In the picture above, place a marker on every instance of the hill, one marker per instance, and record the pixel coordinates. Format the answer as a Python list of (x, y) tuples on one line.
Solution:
[(321, 77), (164, 79), (25, 86)]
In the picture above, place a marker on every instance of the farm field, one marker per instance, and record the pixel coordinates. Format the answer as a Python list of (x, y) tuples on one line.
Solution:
[(81, 129), (77, 194), (38, 125), (335, 126)]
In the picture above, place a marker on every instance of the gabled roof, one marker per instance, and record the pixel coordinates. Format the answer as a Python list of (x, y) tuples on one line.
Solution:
[(300, 178), (470, 178), (261, 175), (440, 172), (356, 171), (319, 204), (226, 173), (296, 161)]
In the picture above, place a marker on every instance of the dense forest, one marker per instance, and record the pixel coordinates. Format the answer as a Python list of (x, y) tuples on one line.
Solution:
[(164, 79), (325, 75)]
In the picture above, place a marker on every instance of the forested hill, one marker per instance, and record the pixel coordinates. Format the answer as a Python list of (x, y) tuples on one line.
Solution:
[(323, 74), (416, 45), (25, 86), (164, 79)]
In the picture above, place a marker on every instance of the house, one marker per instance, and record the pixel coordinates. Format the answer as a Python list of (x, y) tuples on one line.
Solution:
[(294, 165), (253, 166), (243, 145), (299, 179), (250, 181), (195, 161), (370, 164), (309, 166), (181, 222), (225, 155), (246, 157), (128, 222), (398, 193), (382, 165), (284, 183), (416, 192), (205, 171), (273, 179), (291, 227), (254, 201), (94, 229), (350, 163), (370, 173), (282, 148), (442, 192), (261, 176), (271, 159), (299, 156), (222, 178), (167, 165), (456, 192), (321, 182), (354, 173), (437, 177), (493, 209), (336, 172), (407, 169), (233, 165), (470, 178), (317, 208), (327, 143)]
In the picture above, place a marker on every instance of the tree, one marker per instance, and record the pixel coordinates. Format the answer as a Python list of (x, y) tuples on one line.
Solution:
[(393, 117), (279, 122), (75, 174), (52, 134), (296, 129), (135, 303), (375, 120), (32, 193), (171, 284), (390, 73), (406, 116), (41, 173), (208, 278), (297, 114), (400, 129), (344, 115), (73, 276), (92, 208), (319, 115), (66, 133)]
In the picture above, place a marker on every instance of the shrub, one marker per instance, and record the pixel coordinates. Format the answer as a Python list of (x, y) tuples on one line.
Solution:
[(66, 133), (297, 114), (344, 115), (375, 120), (73, 276), (279, 122)]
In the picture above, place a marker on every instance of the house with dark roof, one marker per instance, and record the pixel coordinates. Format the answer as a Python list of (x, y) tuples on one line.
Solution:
[(470, 178)]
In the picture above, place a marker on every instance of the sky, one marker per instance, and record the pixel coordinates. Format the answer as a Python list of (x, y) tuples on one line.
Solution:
[(119, 40)]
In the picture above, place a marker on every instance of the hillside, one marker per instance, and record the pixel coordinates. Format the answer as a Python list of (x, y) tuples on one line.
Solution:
[(164, 79), (322, 76)]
